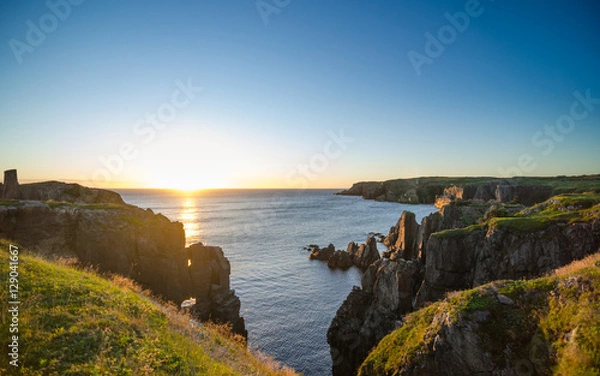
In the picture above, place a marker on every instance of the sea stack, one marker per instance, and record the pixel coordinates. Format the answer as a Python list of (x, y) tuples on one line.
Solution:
[(11, 185)]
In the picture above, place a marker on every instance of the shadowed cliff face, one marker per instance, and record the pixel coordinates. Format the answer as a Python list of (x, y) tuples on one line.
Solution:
[(472, 258), (461, 246), (130, 241)]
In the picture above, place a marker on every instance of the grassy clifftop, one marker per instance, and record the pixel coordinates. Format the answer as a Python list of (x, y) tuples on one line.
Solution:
[(73, 322), (565, 208), (549, 325)]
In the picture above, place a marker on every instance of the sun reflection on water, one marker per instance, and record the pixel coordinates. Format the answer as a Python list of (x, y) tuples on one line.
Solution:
[(190, 219)]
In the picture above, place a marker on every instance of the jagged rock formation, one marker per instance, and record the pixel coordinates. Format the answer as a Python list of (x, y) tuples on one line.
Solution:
[(322, 254), (359, 255), (130, 241), (209, 272), (461, 246), (402, 241), (340, 260), (370, 313)]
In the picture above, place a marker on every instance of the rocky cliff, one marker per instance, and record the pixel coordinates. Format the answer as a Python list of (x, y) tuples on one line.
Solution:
[(463, 245), (513, 327), (126, 240)]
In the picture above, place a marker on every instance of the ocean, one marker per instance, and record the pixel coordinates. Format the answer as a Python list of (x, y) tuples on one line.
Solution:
[(288, 301)]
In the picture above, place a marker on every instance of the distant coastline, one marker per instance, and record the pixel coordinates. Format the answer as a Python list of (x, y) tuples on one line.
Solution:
[(425, 190)]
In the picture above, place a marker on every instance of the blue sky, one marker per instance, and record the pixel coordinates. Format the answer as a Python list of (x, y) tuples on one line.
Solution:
[(276, 85)]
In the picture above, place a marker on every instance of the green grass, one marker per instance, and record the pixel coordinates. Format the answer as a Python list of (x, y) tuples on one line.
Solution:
[(8, 202), (555, 323), (563, 208), (570, 208), (457, 232), (73, 322), (565, 184)]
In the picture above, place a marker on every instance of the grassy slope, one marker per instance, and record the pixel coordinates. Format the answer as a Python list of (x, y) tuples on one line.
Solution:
[(74, 322), (557, 314)]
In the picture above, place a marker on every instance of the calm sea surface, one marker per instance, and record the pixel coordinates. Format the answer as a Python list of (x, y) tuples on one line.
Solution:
[(288, 300)]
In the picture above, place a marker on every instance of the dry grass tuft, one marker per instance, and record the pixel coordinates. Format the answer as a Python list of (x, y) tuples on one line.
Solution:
[(589, 261)]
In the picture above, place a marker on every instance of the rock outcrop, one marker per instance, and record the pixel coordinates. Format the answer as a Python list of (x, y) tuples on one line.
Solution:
[(358, 255), (340, 260), (460, 260), (524, 194), (365, 254), (371, 312), (367, 190), (10, 188), (322, 254), (56, 191), (130, 241), (403, 238)]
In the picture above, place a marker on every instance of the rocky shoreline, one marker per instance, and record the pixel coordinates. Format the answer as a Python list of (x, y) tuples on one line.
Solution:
[(479, 234)]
